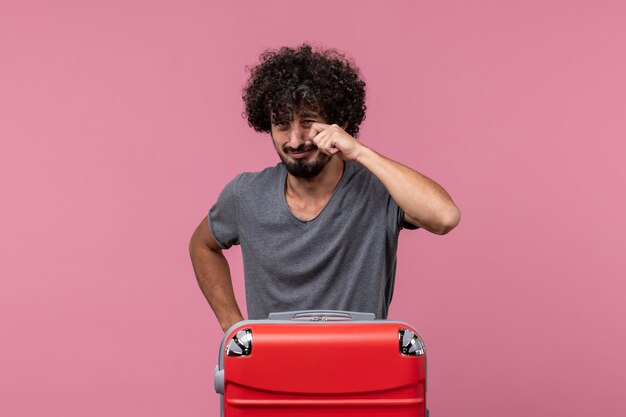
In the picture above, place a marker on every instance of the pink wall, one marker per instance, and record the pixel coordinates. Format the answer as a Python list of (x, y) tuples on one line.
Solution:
[(118, 122)]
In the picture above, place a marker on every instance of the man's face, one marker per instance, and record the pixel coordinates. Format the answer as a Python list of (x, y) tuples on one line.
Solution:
[(295, 149)]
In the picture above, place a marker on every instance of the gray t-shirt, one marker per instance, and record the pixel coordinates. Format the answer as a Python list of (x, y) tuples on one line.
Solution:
[(344, 259)]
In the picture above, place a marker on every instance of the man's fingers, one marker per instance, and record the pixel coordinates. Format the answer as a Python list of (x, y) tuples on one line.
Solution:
[(325, 143), (333, 140), (328, 151), (326, 138), (320, 139), (317, 128)]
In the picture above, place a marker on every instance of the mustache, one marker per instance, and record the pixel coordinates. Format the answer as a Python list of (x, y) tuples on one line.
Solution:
[(301, 148)]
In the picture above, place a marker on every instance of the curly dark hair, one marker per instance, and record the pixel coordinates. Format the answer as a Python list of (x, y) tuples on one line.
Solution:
[(287, 81)]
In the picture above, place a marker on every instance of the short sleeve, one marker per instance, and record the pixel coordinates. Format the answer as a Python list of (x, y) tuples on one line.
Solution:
[(223, 217), (395, 217)]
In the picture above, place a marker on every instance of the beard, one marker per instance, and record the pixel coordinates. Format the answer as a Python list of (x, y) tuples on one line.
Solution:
[(302, 168)]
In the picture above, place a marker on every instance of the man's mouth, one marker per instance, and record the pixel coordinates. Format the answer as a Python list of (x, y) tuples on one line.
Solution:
[(300, 152)]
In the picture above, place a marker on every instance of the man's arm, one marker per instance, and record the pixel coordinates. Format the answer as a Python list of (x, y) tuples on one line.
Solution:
[(425, 203), (213, 275)]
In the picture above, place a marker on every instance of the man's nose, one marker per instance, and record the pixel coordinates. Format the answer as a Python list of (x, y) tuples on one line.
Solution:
[(298, 136)]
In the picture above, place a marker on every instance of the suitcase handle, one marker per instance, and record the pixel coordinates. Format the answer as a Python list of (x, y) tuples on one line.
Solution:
[(322, 315)]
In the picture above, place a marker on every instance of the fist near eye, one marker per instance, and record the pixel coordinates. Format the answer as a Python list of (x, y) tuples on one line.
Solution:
[(332, 139)]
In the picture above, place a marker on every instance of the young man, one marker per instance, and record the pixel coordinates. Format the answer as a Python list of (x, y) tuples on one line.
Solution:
[(320, 229)]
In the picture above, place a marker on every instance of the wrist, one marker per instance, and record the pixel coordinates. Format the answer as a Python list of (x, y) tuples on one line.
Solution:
[(365, 155)]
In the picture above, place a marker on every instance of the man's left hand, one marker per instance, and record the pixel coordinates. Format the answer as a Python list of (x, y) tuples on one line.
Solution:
[(333, 140)]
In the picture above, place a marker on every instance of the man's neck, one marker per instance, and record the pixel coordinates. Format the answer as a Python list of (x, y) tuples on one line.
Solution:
[(319, 186)]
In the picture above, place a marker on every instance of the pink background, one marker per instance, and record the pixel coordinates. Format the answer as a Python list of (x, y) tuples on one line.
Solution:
[(120, 123)]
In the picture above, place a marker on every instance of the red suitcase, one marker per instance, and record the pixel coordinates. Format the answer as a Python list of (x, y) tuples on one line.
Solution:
[(321, 363)]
